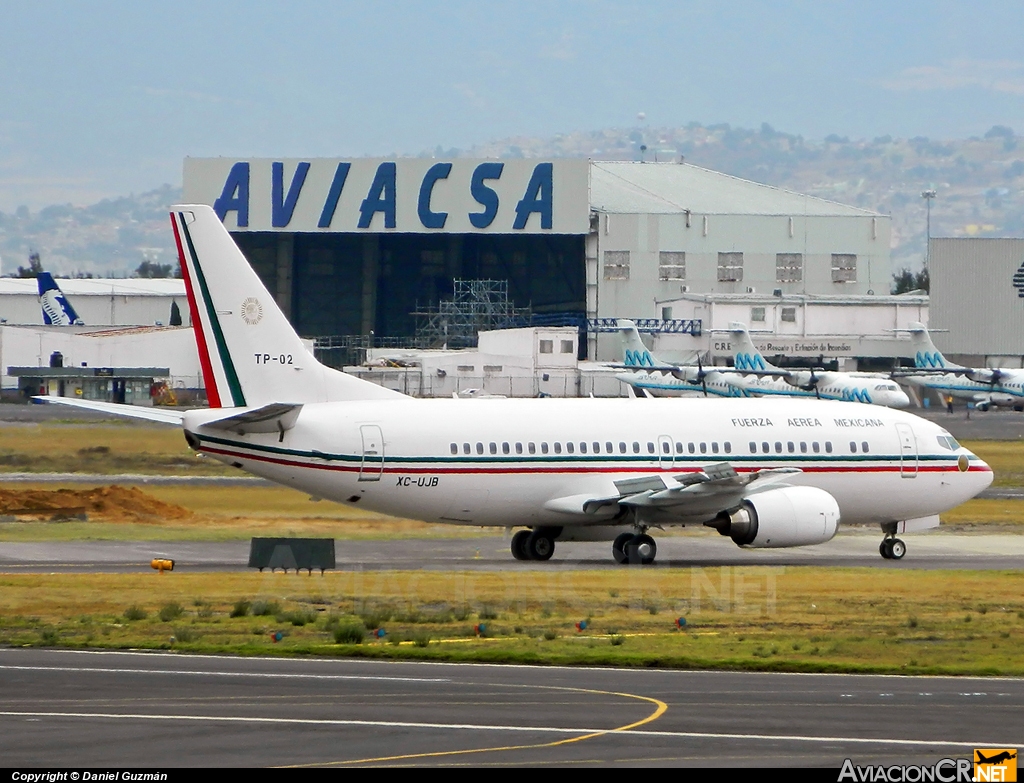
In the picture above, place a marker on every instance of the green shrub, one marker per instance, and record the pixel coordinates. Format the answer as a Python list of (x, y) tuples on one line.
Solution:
[(264, 608), (617, 640), (170, 612), (421, 639), (486, 613), (49, 636), (350, 633), (376, 618), (135, 612), (185, 635), (550, 635), (240, 609)]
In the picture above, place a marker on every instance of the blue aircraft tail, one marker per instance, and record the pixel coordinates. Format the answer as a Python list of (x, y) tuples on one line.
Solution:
[(57, 310)]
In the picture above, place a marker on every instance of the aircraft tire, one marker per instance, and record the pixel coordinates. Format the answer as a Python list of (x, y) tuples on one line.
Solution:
[(619, 548), (641, 549), (897, 549), (519, 549), (883, 549), (540, 545)]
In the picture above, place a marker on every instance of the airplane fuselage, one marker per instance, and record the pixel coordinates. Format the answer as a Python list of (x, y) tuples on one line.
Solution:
[(499, 462), (1009, 391)]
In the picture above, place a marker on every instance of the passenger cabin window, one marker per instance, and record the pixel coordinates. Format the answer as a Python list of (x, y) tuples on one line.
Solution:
[(828, 447), (815, 448), (636, 447), (790, 447), (608, 447), (519, 448), (543, 447), (493, 448), (569, 447), (714, 447), (703, 448), (691, 448), (665, 447), (853, 447), (531, 447), (504, 448), (803, 447), (465, 448), (764, 447), (679, 447), (728, 447), (479, 448), (864, 447), (583, 448), (622, 447), (650, 447), (455, 448), (778, 447), (558, 447), (597, 447), (753, 447)]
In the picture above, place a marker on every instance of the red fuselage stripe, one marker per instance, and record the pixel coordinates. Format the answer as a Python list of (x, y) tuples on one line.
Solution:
[(197, 325)]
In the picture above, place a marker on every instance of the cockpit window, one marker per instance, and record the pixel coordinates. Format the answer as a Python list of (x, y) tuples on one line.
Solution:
[(948, 442)]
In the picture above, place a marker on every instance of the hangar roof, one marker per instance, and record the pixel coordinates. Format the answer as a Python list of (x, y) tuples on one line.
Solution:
[(666, 188), (98, 286)]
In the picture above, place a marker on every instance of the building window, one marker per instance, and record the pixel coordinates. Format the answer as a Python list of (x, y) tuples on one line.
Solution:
[(616, 265), (757, 315), (789, 267), (789, 315), (546, 346), (671, 265), (844, 268), (730, 267), (566, 346)]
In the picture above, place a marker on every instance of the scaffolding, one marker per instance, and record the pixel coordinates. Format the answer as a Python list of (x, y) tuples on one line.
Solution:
[(475, 306)]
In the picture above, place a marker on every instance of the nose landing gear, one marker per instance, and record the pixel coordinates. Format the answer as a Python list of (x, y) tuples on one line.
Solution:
[(892, 548)]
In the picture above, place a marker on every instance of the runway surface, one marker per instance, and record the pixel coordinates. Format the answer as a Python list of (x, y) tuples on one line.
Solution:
[(148, 710), (852, 549)]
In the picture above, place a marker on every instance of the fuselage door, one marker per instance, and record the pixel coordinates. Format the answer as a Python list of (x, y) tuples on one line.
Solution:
[(372, 465), (908, 451), (666, 457)]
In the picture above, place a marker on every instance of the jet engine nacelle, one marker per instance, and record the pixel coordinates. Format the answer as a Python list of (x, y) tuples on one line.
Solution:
[(788, 516)]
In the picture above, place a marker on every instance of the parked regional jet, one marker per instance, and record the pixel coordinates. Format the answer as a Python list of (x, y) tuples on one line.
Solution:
[(57, 310), (766, 473), (767, 380), (662, 379), (983, 385)]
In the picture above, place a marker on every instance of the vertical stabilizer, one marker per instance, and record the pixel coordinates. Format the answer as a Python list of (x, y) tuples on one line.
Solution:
[(249, 352), (745, 355), (926, 355), (57, 310), (634, 352)]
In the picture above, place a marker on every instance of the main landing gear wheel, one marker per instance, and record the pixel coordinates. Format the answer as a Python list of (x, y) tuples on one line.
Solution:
[(540, 545), (619, 547), (641, 549), (519, 551), (892, 549)]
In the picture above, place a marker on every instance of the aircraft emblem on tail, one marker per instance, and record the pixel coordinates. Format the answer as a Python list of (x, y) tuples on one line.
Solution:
[(57, 310)]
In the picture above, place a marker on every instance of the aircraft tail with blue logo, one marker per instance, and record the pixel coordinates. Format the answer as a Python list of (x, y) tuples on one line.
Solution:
[(745, 355), (926, 355), (248, 351), (634, 352), (57, 310)]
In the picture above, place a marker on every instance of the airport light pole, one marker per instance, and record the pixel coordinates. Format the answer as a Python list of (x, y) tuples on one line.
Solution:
[(928, 195)]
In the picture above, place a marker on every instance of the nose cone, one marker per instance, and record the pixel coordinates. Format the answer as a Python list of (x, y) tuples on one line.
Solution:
[(978, 471), (898, 399)]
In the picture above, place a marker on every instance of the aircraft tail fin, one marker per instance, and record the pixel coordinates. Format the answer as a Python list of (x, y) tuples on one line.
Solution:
[(744, 353), (926, 355), (634, 352), (57, 310), (249, 353)]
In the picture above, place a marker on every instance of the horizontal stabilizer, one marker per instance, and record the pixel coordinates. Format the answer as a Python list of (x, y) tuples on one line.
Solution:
[(275, 417), (161, 415)]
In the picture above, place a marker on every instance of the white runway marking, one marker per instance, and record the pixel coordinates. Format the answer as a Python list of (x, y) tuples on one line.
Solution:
[(535, 729), (186, 672)]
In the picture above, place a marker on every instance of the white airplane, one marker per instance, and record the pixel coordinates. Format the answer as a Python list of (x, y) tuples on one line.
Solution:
[(984, 386), (656, 378), (766, 473), (767, 380)]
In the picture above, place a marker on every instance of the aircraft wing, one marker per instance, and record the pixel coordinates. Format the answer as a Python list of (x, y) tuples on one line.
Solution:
[(162, 415), (694, 496)]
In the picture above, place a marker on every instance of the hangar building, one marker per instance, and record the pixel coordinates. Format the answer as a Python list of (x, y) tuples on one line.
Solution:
[(977, 300), (350, 247)]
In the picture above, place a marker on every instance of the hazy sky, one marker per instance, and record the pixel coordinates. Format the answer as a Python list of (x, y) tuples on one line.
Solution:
[(105, 98)]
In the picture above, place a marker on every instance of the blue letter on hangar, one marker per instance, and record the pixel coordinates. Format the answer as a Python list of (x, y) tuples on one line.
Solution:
[(427, 218)]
